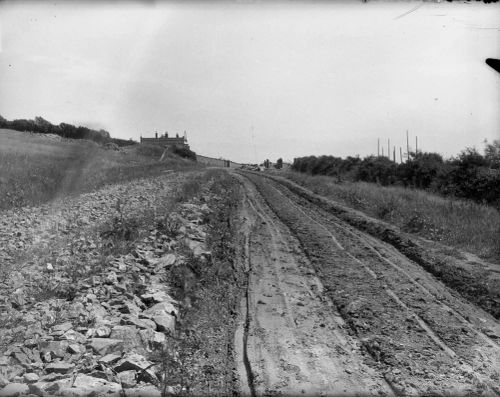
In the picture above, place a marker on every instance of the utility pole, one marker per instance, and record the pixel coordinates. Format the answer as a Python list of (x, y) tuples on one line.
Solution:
[(407, 147), (254, 147), (388, 149), (378, 147), (416, 144), (394, 154), (400, 155), (382, 151)]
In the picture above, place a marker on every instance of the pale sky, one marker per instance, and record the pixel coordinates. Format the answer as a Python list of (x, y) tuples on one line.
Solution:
[(250, 81)]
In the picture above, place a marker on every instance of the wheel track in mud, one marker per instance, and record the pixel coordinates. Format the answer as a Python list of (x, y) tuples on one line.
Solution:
[(354, 369), (461, 361), (367, 240), (390, 292), (250, 377)]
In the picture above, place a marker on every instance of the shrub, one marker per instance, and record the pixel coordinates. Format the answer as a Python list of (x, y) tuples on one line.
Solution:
[(184, 152), (469, 175), (377, 169)]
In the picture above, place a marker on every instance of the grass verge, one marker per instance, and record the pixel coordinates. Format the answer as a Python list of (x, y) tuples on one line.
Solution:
[(35, 168), (457, 223)]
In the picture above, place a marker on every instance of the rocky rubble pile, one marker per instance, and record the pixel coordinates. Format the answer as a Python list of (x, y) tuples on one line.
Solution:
[(28, 228), (101, 342)]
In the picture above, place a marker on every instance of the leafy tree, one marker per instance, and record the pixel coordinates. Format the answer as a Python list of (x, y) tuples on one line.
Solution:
[(492, 154), (470, 158), (3, 122), (421, 171), (377, 169), (42, 126), (23, 125), (184, 152), (468, 175)]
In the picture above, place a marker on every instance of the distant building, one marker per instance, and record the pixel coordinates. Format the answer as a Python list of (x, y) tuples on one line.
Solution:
[(166, 141)]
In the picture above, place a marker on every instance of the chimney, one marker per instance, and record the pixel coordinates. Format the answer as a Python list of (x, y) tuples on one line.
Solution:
[(156, 135)]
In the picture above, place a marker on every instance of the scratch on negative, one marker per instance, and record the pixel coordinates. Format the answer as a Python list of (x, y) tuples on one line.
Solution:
[(408, 12)]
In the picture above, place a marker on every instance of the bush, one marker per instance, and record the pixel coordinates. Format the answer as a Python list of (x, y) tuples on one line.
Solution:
[(377, 169), (184, 152), (470, 175), (41, 126)]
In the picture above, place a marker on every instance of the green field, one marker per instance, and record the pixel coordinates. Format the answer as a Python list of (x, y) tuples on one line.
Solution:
[(38, 168)]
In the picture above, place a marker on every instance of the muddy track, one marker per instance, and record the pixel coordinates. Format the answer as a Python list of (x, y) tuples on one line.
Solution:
[(334, 311), (291, 339)]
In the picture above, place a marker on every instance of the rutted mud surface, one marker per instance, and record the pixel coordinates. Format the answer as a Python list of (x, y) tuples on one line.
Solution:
[(319, 289), (295, 341)]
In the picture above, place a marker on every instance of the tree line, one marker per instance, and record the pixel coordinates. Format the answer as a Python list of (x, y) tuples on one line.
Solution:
[(41, 126), (471, 174)]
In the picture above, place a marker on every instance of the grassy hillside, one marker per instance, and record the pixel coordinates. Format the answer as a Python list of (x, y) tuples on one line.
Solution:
[(458, 223), (36, 168)]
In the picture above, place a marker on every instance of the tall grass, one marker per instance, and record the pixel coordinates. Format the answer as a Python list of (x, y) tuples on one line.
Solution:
[(36, 168), (458, 223)]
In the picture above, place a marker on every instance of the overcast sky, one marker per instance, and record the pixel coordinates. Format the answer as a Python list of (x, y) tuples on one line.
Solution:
[(255, 81)]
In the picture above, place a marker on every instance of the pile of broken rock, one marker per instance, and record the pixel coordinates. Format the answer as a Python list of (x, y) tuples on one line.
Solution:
[(101, 342)]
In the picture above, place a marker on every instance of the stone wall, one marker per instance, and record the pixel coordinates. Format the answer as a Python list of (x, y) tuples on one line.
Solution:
[(216, 162)]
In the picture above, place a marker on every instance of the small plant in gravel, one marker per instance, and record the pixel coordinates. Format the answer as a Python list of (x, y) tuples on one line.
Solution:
[(174, 359), (187, 274), (189, 189), (169, 225), (122, 229)]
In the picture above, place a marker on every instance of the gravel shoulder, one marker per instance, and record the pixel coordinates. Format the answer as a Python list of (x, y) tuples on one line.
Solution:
[(111, 292)]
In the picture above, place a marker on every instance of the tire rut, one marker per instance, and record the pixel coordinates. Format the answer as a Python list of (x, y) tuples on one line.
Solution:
[(296, 341), (424, 338)]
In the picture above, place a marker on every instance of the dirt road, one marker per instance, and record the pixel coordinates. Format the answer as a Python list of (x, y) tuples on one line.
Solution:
[(330, 310)]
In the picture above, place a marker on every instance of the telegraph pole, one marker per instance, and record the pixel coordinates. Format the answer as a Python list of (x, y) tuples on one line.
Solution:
[(400, 155), (388, 149), (394, 154), (378, 147), (416, 144), (254, 147), (407, 147)]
